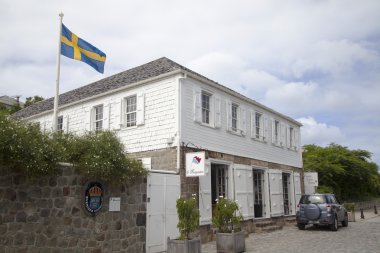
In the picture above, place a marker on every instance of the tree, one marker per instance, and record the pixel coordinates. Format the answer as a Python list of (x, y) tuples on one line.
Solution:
[(32, 100), (349, 173)]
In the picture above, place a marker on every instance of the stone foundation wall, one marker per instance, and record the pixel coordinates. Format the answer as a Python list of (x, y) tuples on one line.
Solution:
[(48, 215)]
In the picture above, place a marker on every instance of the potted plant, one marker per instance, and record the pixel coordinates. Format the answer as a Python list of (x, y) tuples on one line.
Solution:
[(188, 222), (350, 207), (229, 239)]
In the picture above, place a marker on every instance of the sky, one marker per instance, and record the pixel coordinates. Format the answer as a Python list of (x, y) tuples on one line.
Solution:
[(317, 61)]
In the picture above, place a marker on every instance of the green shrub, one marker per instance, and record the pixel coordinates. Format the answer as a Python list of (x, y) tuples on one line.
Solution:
[(188, 217), (25, 149), (225, 215), (325, 189), (350, 207)]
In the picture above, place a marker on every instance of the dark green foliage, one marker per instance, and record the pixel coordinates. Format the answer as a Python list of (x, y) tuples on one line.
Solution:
[(23, 147), (32, 100), (349, 206), (225, 215), (350, 174), (101, 155), (188, 217)]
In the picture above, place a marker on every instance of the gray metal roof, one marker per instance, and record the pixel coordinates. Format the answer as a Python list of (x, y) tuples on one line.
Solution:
[(149, 70)]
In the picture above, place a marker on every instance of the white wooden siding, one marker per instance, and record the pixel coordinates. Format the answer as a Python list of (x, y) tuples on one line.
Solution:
[(221, 140), (156, 116)]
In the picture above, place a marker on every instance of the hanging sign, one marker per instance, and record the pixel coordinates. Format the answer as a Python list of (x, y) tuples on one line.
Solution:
[(195, 164), (94, 197)]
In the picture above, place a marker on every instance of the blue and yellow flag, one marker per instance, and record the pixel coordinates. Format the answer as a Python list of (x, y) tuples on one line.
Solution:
[(78, 49)]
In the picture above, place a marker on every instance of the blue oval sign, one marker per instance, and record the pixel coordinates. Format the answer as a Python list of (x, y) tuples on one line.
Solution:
[(94, 197)]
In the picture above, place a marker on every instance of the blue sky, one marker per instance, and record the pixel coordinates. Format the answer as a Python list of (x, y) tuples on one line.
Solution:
[(317, 61)]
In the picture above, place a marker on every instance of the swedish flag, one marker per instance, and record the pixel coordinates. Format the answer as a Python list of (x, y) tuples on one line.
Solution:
[(78, 49)]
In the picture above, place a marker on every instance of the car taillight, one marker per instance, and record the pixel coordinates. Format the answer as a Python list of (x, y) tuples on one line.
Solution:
[(328, 208)]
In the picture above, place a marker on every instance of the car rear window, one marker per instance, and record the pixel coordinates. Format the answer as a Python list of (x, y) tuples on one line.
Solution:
[(313, 199)]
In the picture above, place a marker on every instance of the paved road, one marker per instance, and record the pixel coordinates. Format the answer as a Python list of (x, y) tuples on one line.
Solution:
[(361, 236)]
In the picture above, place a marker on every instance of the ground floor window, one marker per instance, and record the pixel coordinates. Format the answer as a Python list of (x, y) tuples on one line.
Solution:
[(285, 191), (258, 187)]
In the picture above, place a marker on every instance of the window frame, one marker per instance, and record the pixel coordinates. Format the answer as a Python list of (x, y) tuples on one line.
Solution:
[(234, 119), (208, 110), (134, 112), (277, 132), (60, 124), (98, 122)]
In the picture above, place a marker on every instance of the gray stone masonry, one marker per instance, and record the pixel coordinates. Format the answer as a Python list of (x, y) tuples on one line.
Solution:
[(48, 215)]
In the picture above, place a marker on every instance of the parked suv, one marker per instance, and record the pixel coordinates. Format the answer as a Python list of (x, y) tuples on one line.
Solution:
[(321, 209)]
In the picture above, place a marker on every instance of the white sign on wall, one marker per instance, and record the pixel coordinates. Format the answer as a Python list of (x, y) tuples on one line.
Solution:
[(114, 204), (195, 164)]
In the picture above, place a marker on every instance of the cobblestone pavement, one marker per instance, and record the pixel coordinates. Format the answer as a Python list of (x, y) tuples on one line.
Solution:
[(361, 236)]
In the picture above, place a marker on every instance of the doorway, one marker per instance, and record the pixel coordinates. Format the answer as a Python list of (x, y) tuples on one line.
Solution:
[(258, 187), (219, 182), (285, 191)]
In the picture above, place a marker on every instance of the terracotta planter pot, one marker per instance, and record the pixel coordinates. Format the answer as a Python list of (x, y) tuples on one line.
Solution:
[(230, 242), (184, 246)]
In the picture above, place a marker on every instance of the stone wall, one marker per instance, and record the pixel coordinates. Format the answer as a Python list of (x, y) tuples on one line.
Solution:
[(48, 215)]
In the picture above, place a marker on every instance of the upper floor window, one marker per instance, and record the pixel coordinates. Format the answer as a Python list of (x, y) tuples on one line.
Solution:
[(131, 111), (60, 124), (206, 108), (258, 125), (234, 118), (98, 117)]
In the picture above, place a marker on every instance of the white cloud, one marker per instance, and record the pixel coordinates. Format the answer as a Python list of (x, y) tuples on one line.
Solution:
[(313, 132)]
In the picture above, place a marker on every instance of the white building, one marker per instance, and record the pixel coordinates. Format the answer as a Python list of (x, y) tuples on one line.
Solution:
[(162, 110)]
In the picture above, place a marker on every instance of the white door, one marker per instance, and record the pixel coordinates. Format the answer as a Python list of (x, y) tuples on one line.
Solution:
[(297, 189), (162, 192), (205, 208), (276, 195), (244, 190)]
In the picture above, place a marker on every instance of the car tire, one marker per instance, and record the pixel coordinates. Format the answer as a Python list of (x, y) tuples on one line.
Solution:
[(301, 226), (345, 221), (334, 225)]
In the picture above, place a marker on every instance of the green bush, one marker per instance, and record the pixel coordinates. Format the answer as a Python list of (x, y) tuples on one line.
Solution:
[(24, 148), (350, 207), (188, 217), (225, 215), (325, 189)]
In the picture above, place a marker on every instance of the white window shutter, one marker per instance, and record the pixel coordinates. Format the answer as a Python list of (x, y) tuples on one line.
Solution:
[(243, 120), (296, 139), (297, 187), (276, 195), (121, 114), (288, 137), (197, 105), (140, 109), (253, 124), (65, 124), (265, 128), (244, 190), (88, 119), (229, 115), (106, 116), (205, 208), (273, 131), (283, 134), (218, 112)]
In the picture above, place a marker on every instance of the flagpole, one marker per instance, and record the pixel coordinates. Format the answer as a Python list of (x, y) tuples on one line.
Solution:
[(55, 114)]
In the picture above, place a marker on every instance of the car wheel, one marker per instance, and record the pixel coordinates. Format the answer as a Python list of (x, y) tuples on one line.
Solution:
[(301, 226), (334, 225), (345, 221)]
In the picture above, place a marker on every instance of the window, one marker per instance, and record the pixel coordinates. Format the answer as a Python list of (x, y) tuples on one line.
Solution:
[(60, 124), (277, 132), (98, 119), (219, 181), (206, 107), (258, 124), (234, 111), (131, 111)]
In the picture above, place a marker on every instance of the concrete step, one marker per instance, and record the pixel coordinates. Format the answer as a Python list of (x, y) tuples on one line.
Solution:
[(290, 221), (264, 224), (269, 229)]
